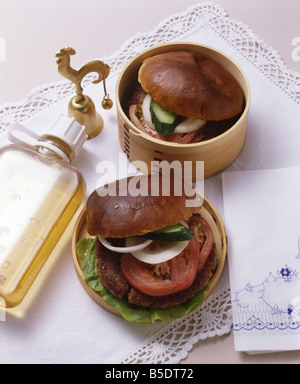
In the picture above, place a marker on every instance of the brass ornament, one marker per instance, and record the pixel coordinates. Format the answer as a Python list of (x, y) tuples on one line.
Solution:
[(82, 107), (106, 102)]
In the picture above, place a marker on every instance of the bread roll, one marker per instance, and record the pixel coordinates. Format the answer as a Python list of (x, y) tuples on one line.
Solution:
[(111, 214), (191, 85)]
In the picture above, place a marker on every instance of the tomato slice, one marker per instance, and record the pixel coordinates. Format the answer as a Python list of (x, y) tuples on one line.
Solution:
[(165, 278), (181, 138), (205, 237)]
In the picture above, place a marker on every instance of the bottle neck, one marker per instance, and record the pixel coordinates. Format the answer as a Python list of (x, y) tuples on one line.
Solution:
[(54, 147)]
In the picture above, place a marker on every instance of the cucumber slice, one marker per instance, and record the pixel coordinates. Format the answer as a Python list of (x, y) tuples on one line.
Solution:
[(172, 233), (163, 120)]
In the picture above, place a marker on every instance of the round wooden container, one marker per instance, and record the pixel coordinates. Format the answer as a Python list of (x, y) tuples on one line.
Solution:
[(217, 153), (208, 212)]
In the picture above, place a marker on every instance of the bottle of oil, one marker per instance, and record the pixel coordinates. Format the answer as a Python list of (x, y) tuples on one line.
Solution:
[(40, 191)]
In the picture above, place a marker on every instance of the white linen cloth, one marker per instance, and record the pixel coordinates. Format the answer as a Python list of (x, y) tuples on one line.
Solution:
[(61, 323), (262, 215)]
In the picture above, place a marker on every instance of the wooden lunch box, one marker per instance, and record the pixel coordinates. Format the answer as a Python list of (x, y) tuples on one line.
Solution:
[(207, 211), (216, 153)]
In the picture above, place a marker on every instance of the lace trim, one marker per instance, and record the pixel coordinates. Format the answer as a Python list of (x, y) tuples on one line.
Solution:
[(173, 342)]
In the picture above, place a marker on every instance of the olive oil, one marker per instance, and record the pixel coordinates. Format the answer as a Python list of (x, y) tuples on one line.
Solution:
[(40, 191)]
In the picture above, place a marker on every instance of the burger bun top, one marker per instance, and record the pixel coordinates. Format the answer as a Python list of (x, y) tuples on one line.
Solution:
[(116, 210), (191, 85)]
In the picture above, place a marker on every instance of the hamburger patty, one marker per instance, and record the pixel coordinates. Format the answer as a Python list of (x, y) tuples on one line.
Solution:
[(109, 270)]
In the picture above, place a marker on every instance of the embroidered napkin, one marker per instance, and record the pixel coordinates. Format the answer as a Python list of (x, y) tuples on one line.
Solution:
[(262, 216)]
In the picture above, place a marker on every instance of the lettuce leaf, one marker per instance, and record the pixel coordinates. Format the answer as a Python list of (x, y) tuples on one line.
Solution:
[(86, 253)]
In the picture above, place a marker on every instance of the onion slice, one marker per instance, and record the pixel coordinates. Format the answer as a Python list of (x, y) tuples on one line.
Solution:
[(160, 254), (189, 125), (147, 110), (135, 244)]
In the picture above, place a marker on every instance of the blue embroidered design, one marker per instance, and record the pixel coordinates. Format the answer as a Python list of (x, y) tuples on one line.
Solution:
[(287, 274), (255, 323), (258, 296)]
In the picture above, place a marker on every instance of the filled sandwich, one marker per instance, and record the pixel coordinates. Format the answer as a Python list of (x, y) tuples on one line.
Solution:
[(184, 97), (149, 255)]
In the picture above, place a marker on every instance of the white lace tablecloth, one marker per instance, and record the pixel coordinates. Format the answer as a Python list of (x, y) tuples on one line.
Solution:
[(64, 325)]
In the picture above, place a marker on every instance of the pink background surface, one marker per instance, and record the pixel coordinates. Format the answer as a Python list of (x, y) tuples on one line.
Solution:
[(34, 30)]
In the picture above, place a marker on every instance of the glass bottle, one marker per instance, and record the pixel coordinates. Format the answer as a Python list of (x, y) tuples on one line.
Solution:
[(40, 191)]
